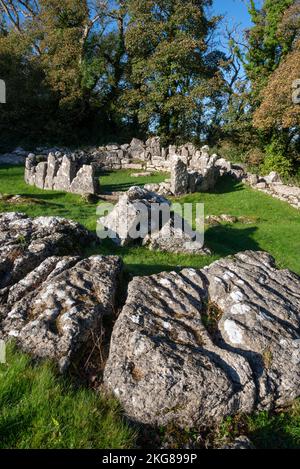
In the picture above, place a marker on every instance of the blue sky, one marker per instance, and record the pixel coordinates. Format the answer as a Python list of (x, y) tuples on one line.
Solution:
[(236, 11)]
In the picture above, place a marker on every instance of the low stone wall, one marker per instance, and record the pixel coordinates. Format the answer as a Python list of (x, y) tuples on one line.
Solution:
[(198, 174), (137, 155), (191, 169), (61, 173), (273, 186)]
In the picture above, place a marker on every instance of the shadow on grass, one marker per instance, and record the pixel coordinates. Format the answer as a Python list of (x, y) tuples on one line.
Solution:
[(45, 195), (222, 240), (121, 187), (227, 184)]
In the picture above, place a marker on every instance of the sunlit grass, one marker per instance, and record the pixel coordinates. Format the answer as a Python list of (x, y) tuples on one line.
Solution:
[(78, 418), (39, 409), (275, 227)]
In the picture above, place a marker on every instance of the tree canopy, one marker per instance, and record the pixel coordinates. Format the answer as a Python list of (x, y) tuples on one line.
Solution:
[(87, 71)]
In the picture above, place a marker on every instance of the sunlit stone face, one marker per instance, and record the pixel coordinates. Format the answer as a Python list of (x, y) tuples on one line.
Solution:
[(2, 92)]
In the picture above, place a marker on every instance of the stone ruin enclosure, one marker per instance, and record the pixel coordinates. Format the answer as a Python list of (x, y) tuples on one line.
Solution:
[(166, 362), (58, 172), (191, 170)]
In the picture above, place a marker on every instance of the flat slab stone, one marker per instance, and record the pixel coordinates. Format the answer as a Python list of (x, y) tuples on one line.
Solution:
[(194, 347)]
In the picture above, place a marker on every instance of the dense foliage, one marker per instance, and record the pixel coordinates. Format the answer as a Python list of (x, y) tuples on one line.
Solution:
[(102, 70)]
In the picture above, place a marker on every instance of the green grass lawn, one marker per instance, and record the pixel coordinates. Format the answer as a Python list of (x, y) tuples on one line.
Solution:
[(38, 409), (79, 418), (275, 227)]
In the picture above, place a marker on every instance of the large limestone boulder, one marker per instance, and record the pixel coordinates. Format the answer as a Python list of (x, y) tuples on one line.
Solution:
[(273, 177), (196, 346), (286, 191), (40, 175), (153, 146), (26, 242), (224, 166), (51, 301), (59, 307), (261, 321), (125, 217), (30, 166)]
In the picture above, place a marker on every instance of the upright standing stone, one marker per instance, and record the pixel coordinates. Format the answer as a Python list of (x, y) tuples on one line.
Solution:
[(172, 150), (53, 166), (30, 165), (153, 146), (65, 175), (137, 148), (40, 175), (85, 182), (179, 177)]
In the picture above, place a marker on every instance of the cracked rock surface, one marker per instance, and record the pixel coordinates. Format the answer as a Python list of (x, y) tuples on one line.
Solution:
[(25, 242), (196, 346), (51, 303)]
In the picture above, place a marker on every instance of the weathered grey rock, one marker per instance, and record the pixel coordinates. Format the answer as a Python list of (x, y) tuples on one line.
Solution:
[(286, 191), (218, 219), (237, 172), (125, 216), (272, 177), (65, 174), (242, 442), (163, 365), (85, 181), (137, 148), (30, 166), (133, 166), (224, 165), (112, 147), (40, 175), (153, 146), (26, 242), (194, 347), (172, 238), (59, 307), (252, 179), (205, 151), (52, 169), (260, 320), (261, 185), (206, 170), (172, 150), (179, 176), (62, 173)]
